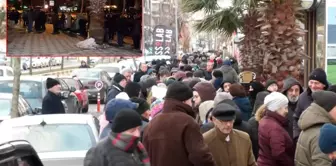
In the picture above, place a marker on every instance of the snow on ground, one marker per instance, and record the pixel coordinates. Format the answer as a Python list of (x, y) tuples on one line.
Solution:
[(87, 44)]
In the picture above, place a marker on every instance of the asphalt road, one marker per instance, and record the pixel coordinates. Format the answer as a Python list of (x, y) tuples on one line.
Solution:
[(67, 64)]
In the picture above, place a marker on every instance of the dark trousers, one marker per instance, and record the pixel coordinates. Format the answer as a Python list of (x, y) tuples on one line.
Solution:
[(136, 41), (55, 28), (120, 37)]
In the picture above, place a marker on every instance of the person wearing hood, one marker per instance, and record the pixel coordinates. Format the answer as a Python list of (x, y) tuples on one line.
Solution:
[(292, 89), (178, 145), (112, 108), (271, 86), (122, 146), (52, 102), (239, 97), (226, 144), (118, 85), (228, 72), (276, 147), (217, 79), (203, 91), (204, 108), (142, 71), (321, 111), (255, 88), (317, 82)]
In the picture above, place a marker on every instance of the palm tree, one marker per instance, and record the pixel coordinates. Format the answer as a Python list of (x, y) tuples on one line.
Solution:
[(16, 87), (96, 29), (271, 46)]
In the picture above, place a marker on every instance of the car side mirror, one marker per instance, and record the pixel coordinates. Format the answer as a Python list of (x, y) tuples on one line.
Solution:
[(72, 89), (65, 94), (37, 111)]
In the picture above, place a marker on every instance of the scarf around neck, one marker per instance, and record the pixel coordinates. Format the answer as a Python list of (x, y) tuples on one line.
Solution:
[(130, 144)]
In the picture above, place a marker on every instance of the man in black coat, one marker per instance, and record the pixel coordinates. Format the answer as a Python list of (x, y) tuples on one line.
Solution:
[(142, 71), (52, 102)]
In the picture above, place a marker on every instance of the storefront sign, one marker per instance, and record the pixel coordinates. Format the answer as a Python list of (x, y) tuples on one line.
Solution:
[(162, 40), (159, 28), (331, 40)]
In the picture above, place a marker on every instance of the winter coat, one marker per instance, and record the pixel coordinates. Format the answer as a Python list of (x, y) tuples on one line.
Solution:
[(52, 104), (138, 75), (181, 143), (229, 73), (244, 106), (114, 91), (276, 148), (288, 83), (106, 154), (303, 103), (307, 151), (235, 152), (254, 122), (259, 100)]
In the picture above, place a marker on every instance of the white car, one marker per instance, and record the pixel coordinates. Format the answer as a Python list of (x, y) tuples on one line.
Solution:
[(6, 71), (59, 139), (110, 68), (36, 63)]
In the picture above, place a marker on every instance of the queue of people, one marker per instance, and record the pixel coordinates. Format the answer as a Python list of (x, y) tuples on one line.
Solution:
[(180, 114)]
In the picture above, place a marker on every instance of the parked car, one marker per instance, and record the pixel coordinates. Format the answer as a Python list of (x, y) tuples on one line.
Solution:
[(59, 139), (81, 92), (110, 68), (18, 153), (6, 71), (36, 63), (6, 105), (33, 89), (89, 77)]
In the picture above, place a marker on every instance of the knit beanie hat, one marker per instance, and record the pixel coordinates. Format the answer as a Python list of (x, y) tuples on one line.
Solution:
[(319, 75), (114, 106), (275, 101), (117, 78), (125, 120), (327, 139), (50, 82), (143, 106), (169, 81), (269, 83), (325, 99), (205, 90), (156, 107), (132, 89), (179, 91), (220, 96)]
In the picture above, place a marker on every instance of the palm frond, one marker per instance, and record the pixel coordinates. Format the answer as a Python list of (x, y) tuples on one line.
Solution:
[(192, 6), (226, 21)]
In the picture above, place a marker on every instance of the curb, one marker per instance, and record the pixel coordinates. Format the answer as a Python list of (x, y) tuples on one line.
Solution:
[(58, 73)]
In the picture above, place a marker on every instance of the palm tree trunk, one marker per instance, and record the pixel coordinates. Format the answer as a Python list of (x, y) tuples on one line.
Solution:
[(62, 63), (16, 88)]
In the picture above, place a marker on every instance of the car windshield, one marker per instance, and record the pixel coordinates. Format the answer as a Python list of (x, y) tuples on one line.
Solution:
[(56, 137), (28, 89), (5, 107), (86, 73), (109, 69)]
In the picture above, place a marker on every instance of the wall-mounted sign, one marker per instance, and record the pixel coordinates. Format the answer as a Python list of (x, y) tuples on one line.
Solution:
[(162, 40)]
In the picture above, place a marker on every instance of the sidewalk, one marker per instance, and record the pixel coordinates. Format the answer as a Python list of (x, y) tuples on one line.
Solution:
[(21, 43)]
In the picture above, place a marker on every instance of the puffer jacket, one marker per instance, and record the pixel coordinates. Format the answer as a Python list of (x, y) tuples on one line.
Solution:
[(307, 151)]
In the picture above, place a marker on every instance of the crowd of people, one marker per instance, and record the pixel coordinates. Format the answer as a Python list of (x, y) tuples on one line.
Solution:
[(194, 111)]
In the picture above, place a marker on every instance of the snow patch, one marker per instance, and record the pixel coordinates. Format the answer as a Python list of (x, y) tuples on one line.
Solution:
[(87, 44)]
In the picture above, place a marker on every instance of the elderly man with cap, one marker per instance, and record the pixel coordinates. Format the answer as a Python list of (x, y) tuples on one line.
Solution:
[(227, 145), (317, 82), (173, 137), (118, 85), (122, 146), (320, 112), (327, 140), (52, 102), (276, 147)]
